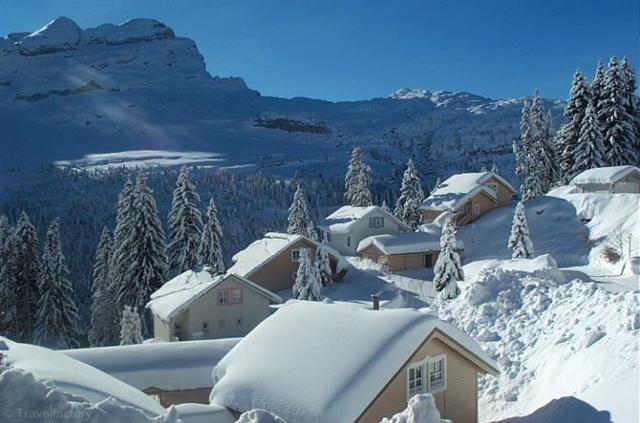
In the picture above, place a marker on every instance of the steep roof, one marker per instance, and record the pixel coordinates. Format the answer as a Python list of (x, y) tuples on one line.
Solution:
[(180, 292), (404, 243), (165, 365), (457, 189), (314, 361), (75, 377), (262, 251), (603, 175), (343, 219)]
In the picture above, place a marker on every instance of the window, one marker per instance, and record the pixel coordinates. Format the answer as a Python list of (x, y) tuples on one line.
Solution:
[(327, 236), (376, 222), (230, 296), (492, 186), (177, 331), (239, 321), (415, 379), (348, 241), (476, 209), (221, 324), (295, 254), (427, 376), (205, 327), (437, 368)]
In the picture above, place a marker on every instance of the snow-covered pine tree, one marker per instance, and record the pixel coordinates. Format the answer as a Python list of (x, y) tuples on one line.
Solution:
[(597, 84), (385, 206), (617, 127), (540, 152), (210, 251), (147, 259), (569, 133), (8, 320), (519, 240), (323, 264), (448, 269), (104, 319), (184, 224), (519, 146), (589, 152), (130, 326), (357, 191), (307, 285), (633, 101), (123, 242), (57, 315), (26, 271), (300, 222), (494, 169), (411, 197)]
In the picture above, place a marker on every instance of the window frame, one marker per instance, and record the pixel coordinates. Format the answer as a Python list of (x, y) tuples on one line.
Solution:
[(373, 220), (295, 251), (476, 209), (425, 366)]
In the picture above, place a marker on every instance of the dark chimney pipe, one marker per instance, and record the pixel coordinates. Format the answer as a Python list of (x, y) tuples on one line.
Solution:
[(376, 302)]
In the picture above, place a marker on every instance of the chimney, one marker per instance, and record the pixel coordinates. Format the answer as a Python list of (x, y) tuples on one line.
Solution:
[(376, 302)]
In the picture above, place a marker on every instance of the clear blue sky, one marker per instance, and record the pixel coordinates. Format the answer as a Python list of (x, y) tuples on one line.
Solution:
[(348, 50)]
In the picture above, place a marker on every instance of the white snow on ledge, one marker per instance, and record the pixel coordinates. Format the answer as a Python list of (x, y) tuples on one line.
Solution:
[(141, 158)]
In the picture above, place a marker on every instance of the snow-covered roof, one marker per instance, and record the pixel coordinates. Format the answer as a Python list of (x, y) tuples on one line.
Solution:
[(75, 377), (404, 243), (343, 219), (457, 189), (167, 366), (262, 251), (603, 175), (180, 292), (313, 361)]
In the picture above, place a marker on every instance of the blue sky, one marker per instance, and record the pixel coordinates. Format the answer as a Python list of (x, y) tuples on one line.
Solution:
[(357, 49)]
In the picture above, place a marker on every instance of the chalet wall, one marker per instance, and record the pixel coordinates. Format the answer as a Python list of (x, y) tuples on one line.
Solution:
[(197, 396), (429, 216), (457, 403), (347, 244), (278, 274)]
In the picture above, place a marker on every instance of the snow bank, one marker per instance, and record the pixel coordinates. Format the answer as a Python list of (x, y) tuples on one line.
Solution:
[(259, 416), (421, 409), (550, 340), (25, 398)]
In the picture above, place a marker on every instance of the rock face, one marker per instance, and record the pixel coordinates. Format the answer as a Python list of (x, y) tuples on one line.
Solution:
[(66, 92)]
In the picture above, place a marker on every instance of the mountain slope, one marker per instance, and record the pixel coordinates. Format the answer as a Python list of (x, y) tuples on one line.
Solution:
[(67, 92)]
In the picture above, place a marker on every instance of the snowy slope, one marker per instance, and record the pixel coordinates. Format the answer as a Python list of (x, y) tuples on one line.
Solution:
[(71, 93)]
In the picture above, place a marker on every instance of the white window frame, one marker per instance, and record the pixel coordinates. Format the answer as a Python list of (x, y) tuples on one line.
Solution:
[(425, 366), (296, 251), (376, 222), (431, 362), (492, 186)]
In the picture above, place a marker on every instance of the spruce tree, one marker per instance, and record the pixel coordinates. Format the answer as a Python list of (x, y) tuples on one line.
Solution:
[(358, 181), (323, 264), (589, 151), (8, 300), (123, 243), (5, 232), (633, 102), (448, 269), (519, 240), (26, 269), (569, 133), (436, 185), (184, 224), (57, 316), (494, 169), (519, 144), (307, 285), (300, 222), (147, 258), (385, 206), (104, 319), (210, 250), (617, 127), (130, 326), (597, 85), (411, 197)]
